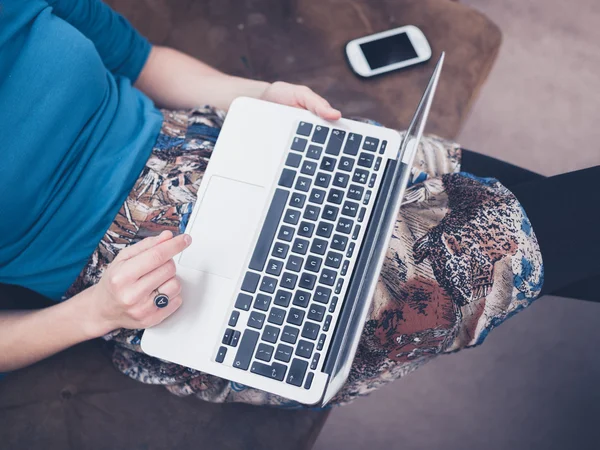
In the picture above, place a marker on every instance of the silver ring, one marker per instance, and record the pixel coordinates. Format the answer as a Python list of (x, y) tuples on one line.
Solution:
[(161, 300)]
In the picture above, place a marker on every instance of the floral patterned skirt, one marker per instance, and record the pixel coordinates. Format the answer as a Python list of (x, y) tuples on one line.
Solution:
[(462, 259)]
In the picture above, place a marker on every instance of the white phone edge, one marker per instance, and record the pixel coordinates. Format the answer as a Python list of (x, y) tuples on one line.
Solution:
[(359, 64)]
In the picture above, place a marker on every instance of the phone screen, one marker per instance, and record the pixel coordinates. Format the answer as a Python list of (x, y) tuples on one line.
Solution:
[(389, 50)]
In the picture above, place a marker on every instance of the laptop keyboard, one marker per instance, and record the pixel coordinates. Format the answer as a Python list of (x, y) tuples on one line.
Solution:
[(284, 314)]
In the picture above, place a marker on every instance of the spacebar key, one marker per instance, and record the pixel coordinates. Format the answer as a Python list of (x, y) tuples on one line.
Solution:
[(246, 350), (261, 251)]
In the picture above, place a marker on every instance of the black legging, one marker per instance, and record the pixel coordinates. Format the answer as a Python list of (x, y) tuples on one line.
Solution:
[(564, 211)]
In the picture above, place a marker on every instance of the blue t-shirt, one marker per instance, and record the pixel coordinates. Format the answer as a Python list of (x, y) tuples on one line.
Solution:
[(74, 134)]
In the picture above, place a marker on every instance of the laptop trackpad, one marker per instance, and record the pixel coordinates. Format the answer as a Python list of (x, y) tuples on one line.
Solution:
[(224, 227)]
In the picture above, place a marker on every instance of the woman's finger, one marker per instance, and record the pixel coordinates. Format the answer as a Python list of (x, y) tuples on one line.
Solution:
[(171, 288), (158, 255), (144, 244), (162, 313), (316, 104), (152, 280)]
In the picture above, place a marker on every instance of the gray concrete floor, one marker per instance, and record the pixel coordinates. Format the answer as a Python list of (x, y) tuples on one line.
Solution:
[(535, 382)]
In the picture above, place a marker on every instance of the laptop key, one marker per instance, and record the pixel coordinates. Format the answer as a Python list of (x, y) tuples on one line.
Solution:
[(250, 282), (268, 284), (311, 212), (333, 259), (316, 313), (335, 196), (377, 163), (295, 316), (322, 179), (315, 361), (243, 301), (294, 263), (301, 298), (310, 331), (290, 334), (367, 197), (352, 144), (282, 298), (341, 179), (297, 200), (288, 280), (262, 302), (328, 164), (364, 160), (338, 286), (344, 225), (383, 147), (322, 294), (314, 152), (327, 277), (346, 164), (318, 246), (293, 160), (313, 263), (276, 316), (296, 374), (309, 379), (287, 177), (304, 129), (285, 233), (233, 318), (299, 144), (307, 281), (284, 353), (308, 168), (246, 349), (264, 352), (327, 322), (321, 342), (274, 267), (300, 246), (356, 232), (355, 192), (344, 270), (305, 349), (256, 320), (291, 216), (261, 251), (370, 144), (350, 251), (360, 176), (361, 214), (324, 229), (339, 242), (330, 212), (335, 142), (333, 304), (306, 229), (317, 196), (275, 371), (280, 250), (227, 336), (270, 334), (302, 184), (372, 180), (221, 354), (320, 134), (235, 338), (350, 209)]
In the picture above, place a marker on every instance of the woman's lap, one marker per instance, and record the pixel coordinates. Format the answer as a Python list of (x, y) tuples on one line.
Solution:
[(422, 306)]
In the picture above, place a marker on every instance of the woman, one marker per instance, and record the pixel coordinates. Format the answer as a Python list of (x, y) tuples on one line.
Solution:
[(97, 184)]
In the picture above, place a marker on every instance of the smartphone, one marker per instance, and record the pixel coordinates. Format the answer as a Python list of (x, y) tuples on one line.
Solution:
[(389, 50)]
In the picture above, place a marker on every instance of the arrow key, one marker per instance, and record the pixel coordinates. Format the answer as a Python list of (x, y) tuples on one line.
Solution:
[(297, 371)]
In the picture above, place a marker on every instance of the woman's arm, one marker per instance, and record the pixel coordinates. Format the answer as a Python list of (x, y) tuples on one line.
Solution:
[(175, 80), (122, 299)]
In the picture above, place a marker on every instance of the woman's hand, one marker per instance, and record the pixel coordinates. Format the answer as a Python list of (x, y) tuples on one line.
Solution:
[(124, 297), (300, 97)]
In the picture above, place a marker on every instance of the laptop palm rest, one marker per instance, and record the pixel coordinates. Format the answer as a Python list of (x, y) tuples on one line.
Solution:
[(223, 227)]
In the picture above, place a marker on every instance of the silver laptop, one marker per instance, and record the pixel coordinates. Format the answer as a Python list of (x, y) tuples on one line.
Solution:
[(291, 226)]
